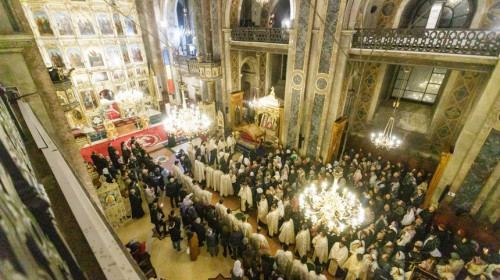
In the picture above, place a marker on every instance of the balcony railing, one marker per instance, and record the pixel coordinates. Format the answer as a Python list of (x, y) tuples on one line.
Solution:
[(257, 34), (450, 41), (182, 59), (206, 70)]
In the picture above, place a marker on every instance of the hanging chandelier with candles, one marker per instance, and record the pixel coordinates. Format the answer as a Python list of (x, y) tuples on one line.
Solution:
[(185, 121), (129, 97), (385, 139), (330, 207), (262, 2)]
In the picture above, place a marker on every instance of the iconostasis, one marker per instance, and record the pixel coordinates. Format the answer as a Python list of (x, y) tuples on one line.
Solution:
[(101, 40)]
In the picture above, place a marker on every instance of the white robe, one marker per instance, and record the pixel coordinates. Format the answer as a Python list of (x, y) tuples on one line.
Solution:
[(339, 254), (206, 196), (226, 188), (231, 143), (303, 242), (258, 241), (281, 208), (284, 261), (299, 271), (408, 218), (313, 276), (220, 210), (199, 171), (216, 182), (209, 176), (357, 269), (320, 248), (221, 147), (262, 211), (272, 222), (245, 195), (246, 228), (287, 234), (178, 172)]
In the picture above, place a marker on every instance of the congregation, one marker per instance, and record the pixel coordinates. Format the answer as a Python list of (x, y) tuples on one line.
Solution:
[(396, 236)]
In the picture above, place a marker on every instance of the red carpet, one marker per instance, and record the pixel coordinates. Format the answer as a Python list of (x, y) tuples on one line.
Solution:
[(147, 138)]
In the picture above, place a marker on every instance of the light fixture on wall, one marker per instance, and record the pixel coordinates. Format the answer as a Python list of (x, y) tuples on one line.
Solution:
[(262, 2), (185, 121), (385, 139), (330, 207)]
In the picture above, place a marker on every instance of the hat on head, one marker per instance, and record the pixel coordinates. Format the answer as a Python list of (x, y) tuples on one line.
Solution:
[(259, 190)]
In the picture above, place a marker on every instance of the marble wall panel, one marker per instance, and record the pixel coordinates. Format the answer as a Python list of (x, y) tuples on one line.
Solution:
[(332, 15), (319, 101), (294, 113), (302, 30)]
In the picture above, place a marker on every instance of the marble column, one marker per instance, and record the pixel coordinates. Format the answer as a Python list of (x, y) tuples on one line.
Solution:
[(151, 39)]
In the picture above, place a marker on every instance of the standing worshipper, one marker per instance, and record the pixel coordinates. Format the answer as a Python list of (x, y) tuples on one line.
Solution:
[(236, 272), (220, 209), (236, 242), (299, 269), (320, 243), (171, 192), (262, 210), (136, 202), (287, 232), (316, 274), (231, 142), (246, 200), (226, 187), (194, 250), (338, 256), (199, 171), (157, 216), (175, 236), (357, 268), (272, 220), (303, 241), (212, 243), (200, 231), (284, 260), (246, 227)]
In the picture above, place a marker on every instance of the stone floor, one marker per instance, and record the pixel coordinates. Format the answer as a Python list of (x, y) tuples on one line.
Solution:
[(172, 265)]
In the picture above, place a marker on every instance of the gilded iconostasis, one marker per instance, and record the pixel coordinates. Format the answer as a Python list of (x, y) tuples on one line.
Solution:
[(101, 40)]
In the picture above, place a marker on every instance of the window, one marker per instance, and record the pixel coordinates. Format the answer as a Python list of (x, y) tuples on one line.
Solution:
[(421, 84), (455, 13)]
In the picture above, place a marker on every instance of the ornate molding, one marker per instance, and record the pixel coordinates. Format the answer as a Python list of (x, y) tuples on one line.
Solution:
[(16, 42)]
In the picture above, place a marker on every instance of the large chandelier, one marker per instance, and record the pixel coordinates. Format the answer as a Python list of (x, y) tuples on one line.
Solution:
[(185, 121), (262, 2), (386, 140), (129, 97), (328, 206)]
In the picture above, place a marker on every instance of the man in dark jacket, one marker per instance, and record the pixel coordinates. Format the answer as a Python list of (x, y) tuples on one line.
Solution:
[(171, 192), (200, 231), (236, 242), (157, 216), (175, 235)]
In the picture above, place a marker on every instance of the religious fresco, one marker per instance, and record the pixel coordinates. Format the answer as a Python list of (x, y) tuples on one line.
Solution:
[(88, 99), (118, 75), (75, 57), (118, 24), (95, 57), (125, 55), (85, 26), (100, 77), (130, 27), (113, 56), (63, 24), (143, 87), (56, 57), (43, 23), (104, 23), (136, 53)]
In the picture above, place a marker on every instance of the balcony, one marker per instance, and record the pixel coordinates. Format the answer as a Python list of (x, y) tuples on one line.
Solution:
[(446, 41), (182, 59), (261, 35)]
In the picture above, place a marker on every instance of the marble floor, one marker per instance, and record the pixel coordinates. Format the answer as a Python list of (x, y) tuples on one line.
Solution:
[(170, 264)]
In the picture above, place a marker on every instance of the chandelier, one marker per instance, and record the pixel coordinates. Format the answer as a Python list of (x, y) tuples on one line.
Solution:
[(328, 206), (185, 121), (262, 2), (386, 140), (129, 97)]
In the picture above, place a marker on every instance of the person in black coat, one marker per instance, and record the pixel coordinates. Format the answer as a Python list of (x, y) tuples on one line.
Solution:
[(157, 216), (172, 218), (175, 235), (172, 192), (200, 231), (236, 242)]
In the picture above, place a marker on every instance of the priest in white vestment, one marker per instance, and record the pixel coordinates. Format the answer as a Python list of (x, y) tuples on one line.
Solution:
[(216, 181), (209, 176), (178, 170), (338, 256), (287, 232), (220, 209), (221, 146), (199, 170), (206, 196), (245, 195), (320, 243), (231, 142), (246, 227), (262, 210), (284, 260), (357, 267), (303, 241), (272, 220), (299, 270), (226, 187)]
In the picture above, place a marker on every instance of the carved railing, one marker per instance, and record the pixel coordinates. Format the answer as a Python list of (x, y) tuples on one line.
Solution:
[(257, 34), (451, 41), (182, 59), (206, 70)]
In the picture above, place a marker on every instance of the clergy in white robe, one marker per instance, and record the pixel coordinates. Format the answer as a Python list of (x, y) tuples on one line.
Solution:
[(246, 227), (287, 233), (357, 267), (191, 151), (206, 196), (178, 170), (199, 170), (221, 146), (216, 180), (259, 242), (299, 270), (338, 256), (262, 210), (272, 220), (231, 142), (316, 274), (320, 243), (245, 195), (284, 260), (209, 176), (226, 188), (303, 241), (220, 209)]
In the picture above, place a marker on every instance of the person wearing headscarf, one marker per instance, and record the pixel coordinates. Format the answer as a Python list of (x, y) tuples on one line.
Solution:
[(200, 231), (237, 271), (338, 256), (399, 260), (194, 250), (212, 243)]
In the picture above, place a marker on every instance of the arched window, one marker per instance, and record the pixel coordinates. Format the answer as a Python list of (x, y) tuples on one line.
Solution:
[(455, 13)]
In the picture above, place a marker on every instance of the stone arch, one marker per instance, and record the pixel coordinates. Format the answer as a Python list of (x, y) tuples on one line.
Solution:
[(250, 77), (408, 7)]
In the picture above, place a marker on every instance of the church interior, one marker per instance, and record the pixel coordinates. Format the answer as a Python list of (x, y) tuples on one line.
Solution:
[(250, 139)]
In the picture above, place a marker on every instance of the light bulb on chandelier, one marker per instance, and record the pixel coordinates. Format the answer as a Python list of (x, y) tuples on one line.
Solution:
[(262, 2)]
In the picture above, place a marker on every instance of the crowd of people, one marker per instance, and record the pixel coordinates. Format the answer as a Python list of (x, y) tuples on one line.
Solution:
[(395, 237)]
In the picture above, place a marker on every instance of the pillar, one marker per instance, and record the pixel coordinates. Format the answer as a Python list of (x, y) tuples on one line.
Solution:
[(445, 159)]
